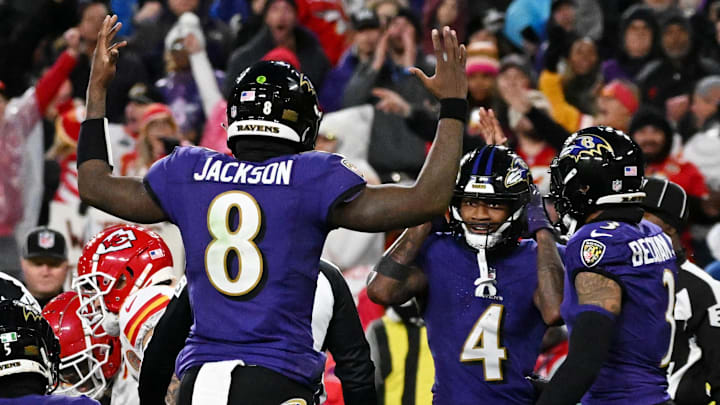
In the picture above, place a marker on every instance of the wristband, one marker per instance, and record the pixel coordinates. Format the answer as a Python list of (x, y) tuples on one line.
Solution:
[(455, 108), (93, 142), (390, 268)]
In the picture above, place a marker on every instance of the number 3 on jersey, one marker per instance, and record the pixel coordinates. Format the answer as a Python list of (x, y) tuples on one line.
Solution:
[(669, 283), (483, 343), (224, 240)]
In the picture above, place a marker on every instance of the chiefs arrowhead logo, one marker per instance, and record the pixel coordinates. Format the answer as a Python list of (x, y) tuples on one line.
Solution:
[(119, 240)]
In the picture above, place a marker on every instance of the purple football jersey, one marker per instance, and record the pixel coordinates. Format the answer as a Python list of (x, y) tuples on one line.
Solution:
[(253, 233), (48, 400), (641, 259), (484, 330)]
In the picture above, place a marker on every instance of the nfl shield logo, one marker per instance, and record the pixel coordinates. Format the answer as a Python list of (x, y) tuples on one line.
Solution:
[(46, 240), (617, 185), (591, 252)]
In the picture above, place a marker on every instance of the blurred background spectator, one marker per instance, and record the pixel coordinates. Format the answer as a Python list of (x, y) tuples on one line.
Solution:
[(150, 32), (668, 82), (178, 87), (396, 151), (44, 264), (439, 13), (159, 135), (367, 34), (131, 69), (281, 29), (639, 44)]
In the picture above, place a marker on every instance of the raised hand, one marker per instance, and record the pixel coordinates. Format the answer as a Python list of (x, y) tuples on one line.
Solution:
[(449, 80), (106, 53), (490, 128), (72, 38), (192, 44), (380, 52), (536, 216), (391, 102), (513, 94)]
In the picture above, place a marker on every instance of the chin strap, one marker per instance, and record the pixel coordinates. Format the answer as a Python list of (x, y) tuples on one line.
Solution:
[(485, 284), (568, 226)]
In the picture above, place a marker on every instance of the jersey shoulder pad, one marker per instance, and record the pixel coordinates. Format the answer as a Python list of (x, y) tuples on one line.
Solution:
[(177, 165), (141, 310), (328, 161), (599, 243)]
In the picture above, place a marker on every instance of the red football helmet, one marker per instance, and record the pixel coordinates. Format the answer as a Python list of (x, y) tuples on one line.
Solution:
[(87, 363), (114, 264)]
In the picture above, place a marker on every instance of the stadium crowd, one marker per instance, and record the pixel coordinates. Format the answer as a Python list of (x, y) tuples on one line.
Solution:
[(539, 70)]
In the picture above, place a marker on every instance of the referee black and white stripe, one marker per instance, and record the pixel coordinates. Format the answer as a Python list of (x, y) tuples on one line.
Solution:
[(696, 353)]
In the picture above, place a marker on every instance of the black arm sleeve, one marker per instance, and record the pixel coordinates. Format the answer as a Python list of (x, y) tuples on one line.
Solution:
[(168, 339), (346, 341), (589, 345), (545, 127), (423, 123)]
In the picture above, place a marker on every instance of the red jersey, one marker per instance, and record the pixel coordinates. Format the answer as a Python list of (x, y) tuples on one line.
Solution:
[(327, 19), (679, 171), (540, 166)]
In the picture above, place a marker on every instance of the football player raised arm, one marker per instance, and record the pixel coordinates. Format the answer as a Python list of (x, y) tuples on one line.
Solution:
[(488, 296), (549, 293), (250, 210), (620, 276), (376, 208)]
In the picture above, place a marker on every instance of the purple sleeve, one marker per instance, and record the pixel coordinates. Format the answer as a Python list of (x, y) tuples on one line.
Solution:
[(57, 400), (336, 181), (164, 178)]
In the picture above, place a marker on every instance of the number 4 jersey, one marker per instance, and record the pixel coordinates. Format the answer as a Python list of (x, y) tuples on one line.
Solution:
[(253, 233), (640, 258), (484, 330)]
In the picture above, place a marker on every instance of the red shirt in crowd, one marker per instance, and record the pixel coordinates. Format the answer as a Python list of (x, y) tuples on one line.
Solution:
[(684, 173), (540, 166), (327, 19)]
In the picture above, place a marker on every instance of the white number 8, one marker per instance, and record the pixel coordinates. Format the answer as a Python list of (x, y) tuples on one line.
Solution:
[(250, 264), (267, 108)]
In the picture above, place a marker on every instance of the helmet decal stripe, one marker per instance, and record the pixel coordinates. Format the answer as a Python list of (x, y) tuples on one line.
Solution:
[(488, 167), (478, 158)]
